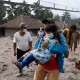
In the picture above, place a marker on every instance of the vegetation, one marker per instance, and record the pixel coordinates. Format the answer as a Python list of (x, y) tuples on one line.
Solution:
[(2, 13), (11, 11)]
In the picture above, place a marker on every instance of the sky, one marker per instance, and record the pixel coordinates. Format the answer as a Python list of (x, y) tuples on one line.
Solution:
[(75, 4)]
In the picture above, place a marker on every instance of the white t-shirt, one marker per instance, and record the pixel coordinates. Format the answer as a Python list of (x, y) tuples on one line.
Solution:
[(22, 41)]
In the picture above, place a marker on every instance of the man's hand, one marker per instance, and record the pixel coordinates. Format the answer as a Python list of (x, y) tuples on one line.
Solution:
[(45, 45), (15, 54), (14, 49)]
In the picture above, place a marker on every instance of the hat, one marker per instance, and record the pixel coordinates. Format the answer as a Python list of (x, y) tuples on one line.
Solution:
[(23, 25), (48, 20)]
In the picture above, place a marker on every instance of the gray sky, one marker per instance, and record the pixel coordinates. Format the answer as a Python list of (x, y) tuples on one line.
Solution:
[(69, 3)]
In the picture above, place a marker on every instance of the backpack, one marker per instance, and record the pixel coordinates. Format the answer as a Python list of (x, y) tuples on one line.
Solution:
[(66, 33)]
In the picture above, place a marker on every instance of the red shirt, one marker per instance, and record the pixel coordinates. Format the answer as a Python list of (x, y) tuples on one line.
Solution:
[(51, 64)]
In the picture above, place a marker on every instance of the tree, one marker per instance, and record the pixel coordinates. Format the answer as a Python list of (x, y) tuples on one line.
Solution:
[(57, 17), (75, 21), (43, 14), (22, 10), (40, 13), (47, 14), (16, 10), (10, 11), (2, 13), (66, 17)]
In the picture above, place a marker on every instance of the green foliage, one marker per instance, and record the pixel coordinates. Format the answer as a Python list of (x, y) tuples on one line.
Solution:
[(43, 14), (74, 21), (10, 12), (17, 10), (57, 17), (40, 13), (2, 13), (36, 12), (14, 10)]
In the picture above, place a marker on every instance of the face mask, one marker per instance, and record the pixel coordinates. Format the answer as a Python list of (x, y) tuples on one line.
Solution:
[(50, 36), (24, 30)]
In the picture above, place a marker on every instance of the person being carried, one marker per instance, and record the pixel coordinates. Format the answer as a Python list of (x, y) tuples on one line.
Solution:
[(40, 32), (41, 54)]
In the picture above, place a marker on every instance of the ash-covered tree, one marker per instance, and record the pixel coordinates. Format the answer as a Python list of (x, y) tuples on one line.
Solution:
[(66, 17), (14, 10), (40, 13), (2, 13), (57, 17)]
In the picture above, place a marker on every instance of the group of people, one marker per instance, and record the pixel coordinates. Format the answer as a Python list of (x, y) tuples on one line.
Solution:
[(48, 52)]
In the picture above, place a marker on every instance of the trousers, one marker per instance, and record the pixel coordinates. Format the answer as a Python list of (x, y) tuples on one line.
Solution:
[(41, 73)]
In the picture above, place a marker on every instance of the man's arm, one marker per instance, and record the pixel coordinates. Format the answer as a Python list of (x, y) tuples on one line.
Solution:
[(64, 33), (30, 45), (30, 41), (14, 48), (58, 48)]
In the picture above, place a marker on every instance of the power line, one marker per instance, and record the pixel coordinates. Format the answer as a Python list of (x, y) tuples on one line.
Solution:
[(66, 7), (40, 6), (52, 3)]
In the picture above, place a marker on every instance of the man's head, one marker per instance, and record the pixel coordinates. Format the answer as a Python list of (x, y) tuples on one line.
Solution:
[(73, 28), (51, 28), (48, 21), (23, 27)]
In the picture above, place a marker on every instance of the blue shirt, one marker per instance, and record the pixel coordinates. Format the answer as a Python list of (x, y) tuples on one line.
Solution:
[(44, 55), (58, 49)]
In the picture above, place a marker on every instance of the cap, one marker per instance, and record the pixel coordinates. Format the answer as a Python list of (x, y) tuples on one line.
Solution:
[(23, 25), (48, 20)]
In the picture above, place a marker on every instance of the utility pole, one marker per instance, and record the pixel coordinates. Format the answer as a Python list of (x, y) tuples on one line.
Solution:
[(23, 1)]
